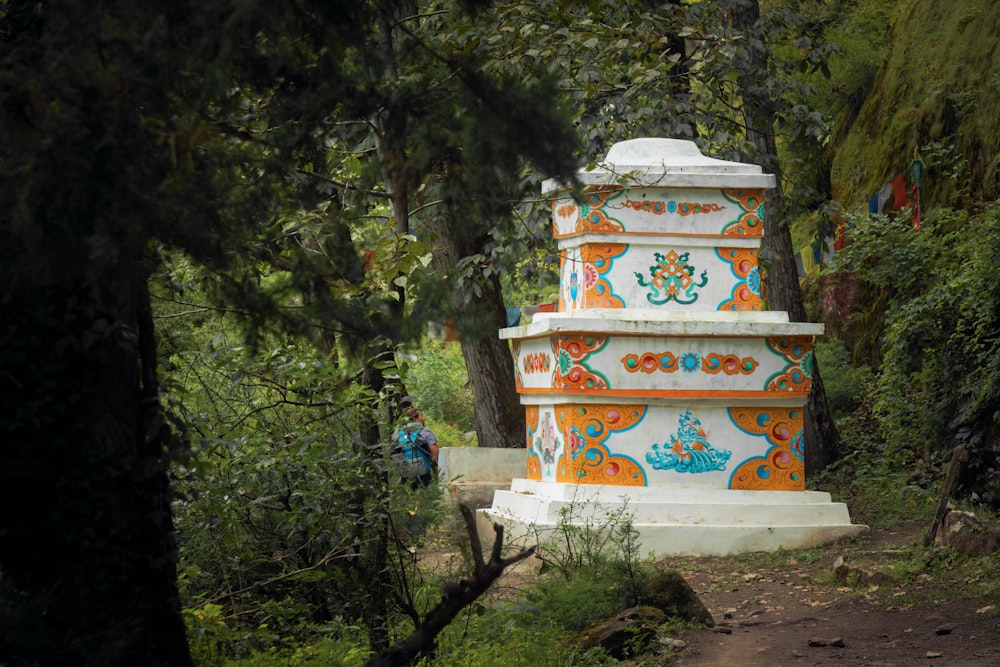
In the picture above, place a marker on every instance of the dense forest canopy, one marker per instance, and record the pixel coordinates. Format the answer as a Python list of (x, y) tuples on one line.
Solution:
[(225, 228)]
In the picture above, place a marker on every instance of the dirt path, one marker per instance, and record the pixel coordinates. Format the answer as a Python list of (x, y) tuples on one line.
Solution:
[(794, 613), (773, 610)]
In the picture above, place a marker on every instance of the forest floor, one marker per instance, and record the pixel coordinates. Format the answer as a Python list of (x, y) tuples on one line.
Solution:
[(791, 610)]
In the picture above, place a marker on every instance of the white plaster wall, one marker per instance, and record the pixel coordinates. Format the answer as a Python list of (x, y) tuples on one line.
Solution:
[(481, 464)]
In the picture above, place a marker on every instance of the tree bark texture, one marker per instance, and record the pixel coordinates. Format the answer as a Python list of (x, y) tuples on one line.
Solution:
[(781, 276), (87, 549), (478, 318), (498, 411)]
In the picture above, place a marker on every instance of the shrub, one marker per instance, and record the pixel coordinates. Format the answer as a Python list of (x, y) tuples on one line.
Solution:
[(436, 375), (939, 383), (844, 383)]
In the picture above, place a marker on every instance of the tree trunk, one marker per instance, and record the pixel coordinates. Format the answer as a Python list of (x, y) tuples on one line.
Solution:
[(488, 361), (777, 254), (87, 549), (499, 415), (375, 538)]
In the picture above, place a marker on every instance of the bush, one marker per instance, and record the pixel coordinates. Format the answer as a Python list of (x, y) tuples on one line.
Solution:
[(844, 383), (500, 637), (436, 375), (939, 383)]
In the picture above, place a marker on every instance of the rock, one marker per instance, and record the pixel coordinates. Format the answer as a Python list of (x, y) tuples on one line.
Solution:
[(945, 629), (624, 635), (968, 534), (836, 642), (669, 592), (841, 569), (859, 577)]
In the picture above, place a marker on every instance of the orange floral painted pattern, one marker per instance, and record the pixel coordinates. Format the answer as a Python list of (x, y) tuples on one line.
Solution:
[(782, 467), (751, 220), (746, 291), (797, 375), (572, 352), (680, 208), (516, 350), (531, 424), (598, 260), (593, 217), (712, 363), (586, 458)]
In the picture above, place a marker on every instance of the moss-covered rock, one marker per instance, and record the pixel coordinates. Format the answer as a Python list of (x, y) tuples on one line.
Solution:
[(625, 634), (669, 592)]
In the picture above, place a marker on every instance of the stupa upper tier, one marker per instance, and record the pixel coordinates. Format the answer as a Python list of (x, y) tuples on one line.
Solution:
[(667, 163)]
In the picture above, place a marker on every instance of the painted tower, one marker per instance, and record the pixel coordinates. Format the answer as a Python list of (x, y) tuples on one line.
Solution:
[(660, 381)]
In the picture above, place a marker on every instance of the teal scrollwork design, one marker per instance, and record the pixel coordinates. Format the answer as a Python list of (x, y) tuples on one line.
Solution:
[(672, 279)]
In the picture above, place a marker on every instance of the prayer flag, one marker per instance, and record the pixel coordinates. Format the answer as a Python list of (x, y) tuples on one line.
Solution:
[(873, 204), (899, 199), (883, 196)]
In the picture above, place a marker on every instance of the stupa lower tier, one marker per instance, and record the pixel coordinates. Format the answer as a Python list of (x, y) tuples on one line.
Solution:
[(674, 522), (637, 398)]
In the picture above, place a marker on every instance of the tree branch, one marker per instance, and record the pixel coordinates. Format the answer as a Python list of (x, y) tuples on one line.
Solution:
[(456, 597)]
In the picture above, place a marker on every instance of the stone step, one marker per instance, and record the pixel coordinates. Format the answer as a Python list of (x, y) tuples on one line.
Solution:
[(692, 494), (665, 511), (676, 521), (696, 540)]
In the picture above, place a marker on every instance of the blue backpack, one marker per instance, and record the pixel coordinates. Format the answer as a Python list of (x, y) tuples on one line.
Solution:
[(412, 453)]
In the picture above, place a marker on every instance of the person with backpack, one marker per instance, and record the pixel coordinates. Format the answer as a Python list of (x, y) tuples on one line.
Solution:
[(416, 450)]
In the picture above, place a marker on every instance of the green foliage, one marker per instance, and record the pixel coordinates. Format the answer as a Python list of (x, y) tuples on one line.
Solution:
[(934, 67), (289, 526), (845, 383), (598, 567), (585, 541), (259, 141), (323, 653), (574, 602), (875, 495), (940, 379), (436, 375), (596, 572), (501, 637), (534, 280)]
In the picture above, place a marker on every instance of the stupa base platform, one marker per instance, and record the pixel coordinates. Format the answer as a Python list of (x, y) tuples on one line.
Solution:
[(675, 521)]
